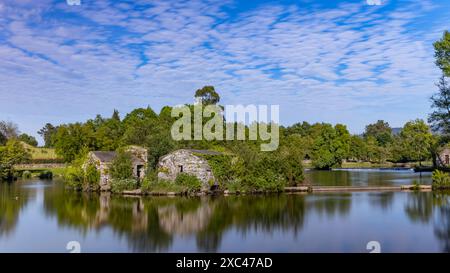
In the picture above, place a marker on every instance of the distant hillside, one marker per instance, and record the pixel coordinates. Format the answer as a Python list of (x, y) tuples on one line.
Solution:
[(41, 153)]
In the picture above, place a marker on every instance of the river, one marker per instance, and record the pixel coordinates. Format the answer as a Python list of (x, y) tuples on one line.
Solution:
[(40, 216)]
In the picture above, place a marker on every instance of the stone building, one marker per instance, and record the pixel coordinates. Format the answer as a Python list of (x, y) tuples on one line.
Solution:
[(103, 160), (443, 157), (187, 161)]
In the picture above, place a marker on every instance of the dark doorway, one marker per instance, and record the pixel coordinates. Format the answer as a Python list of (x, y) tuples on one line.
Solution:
[(139, 169), (447, 159), (181, 168)]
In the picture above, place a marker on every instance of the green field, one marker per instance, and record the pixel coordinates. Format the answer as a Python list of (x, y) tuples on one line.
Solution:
[(40, 153)]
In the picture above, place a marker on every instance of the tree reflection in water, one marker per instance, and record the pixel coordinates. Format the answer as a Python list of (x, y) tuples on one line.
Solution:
[(424, 207), (151, 223), (383, 200), (12, 199)]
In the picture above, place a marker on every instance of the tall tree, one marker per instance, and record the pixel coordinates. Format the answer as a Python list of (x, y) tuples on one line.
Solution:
[(442, 53), (115, 115), (440, 102), (8, 130), (331, 145), (416, 140), (381, 131), (208, 95), (47, 133)]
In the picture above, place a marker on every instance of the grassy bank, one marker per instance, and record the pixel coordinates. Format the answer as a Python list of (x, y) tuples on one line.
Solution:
[(370, 165), (40, 153)]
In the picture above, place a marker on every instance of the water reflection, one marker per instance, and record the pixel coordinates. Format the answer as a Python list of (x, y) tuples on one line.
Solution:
[(364, 177), (12, 200), (331, 204), (304, 222), (150, 224), (382, 200), (435, 208)]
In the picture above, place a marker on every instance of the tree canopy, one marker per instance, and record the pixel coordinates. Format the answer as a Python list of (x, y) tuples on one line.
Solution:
[(442, 53), (208, 95), (381, 131), (440, 102)]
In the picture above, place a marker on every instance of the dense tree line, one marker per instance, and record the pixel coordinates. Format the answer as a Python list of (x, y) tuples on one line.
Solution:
[(328, 146)]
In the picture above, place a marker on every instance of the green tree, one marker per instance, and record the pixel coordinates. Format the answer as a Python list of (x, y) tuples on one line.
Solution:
[(381, 131), (208, 95), (121, 167), (291, 156), (440, 117), (442, 53), (72, 140), (302, 129), (47, 133), (11, 154), (8, 130), (137, 125), (331, 145), (31, 140), (109, 132), (358, 148), (416, 140), (375, 152), (3, 139)]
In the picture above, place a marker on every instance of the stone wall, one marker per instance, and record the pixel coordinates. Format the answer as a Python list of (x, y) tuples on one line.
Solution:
[(39, 166), (103, 169), (184, 161), (440, 160)]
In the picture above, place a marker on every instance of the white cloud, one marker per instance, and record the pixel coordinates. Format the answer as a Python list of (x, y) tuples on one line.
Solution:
[(340, 60), (374, 2)]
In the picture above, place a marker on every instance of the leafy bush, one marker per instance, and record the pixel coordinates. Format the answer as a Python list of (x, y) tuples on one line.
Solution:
[(74, 177), (251, 170), (122, 166), (120, 185), (161, 185), (440, 179), (81, 177), (190, 182), (11, 154), (222, 167), (234, 186), (26, 175), (91, 177)]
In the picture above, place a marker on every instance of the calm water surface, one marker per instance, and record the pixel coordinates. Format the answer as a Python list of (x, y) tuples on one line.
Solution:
[(40, 216)]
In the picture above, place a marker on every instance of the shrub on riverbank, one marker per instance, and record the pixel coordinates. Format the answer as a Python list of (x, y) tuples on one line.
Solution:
[(120, 185), (81, 177), (441, 180), (26, 175), (11, 154), (122, 166), (161, 186), (183, 183), (247, 169), (190, 182)]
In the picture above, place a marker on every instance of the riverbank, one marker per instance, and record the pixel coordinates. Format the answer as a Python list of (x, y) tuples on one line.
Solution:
[(370, 165), (299, 189)]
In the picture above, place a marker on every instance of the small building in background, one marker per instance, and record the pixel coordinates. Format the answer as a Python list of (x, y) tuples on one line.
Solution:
[(102, 160), (187, 161), (443, 157)]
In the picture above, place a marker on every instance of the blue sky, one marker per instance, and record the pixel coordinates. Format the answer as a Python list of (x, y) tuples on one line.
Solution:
[(333, 61)]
